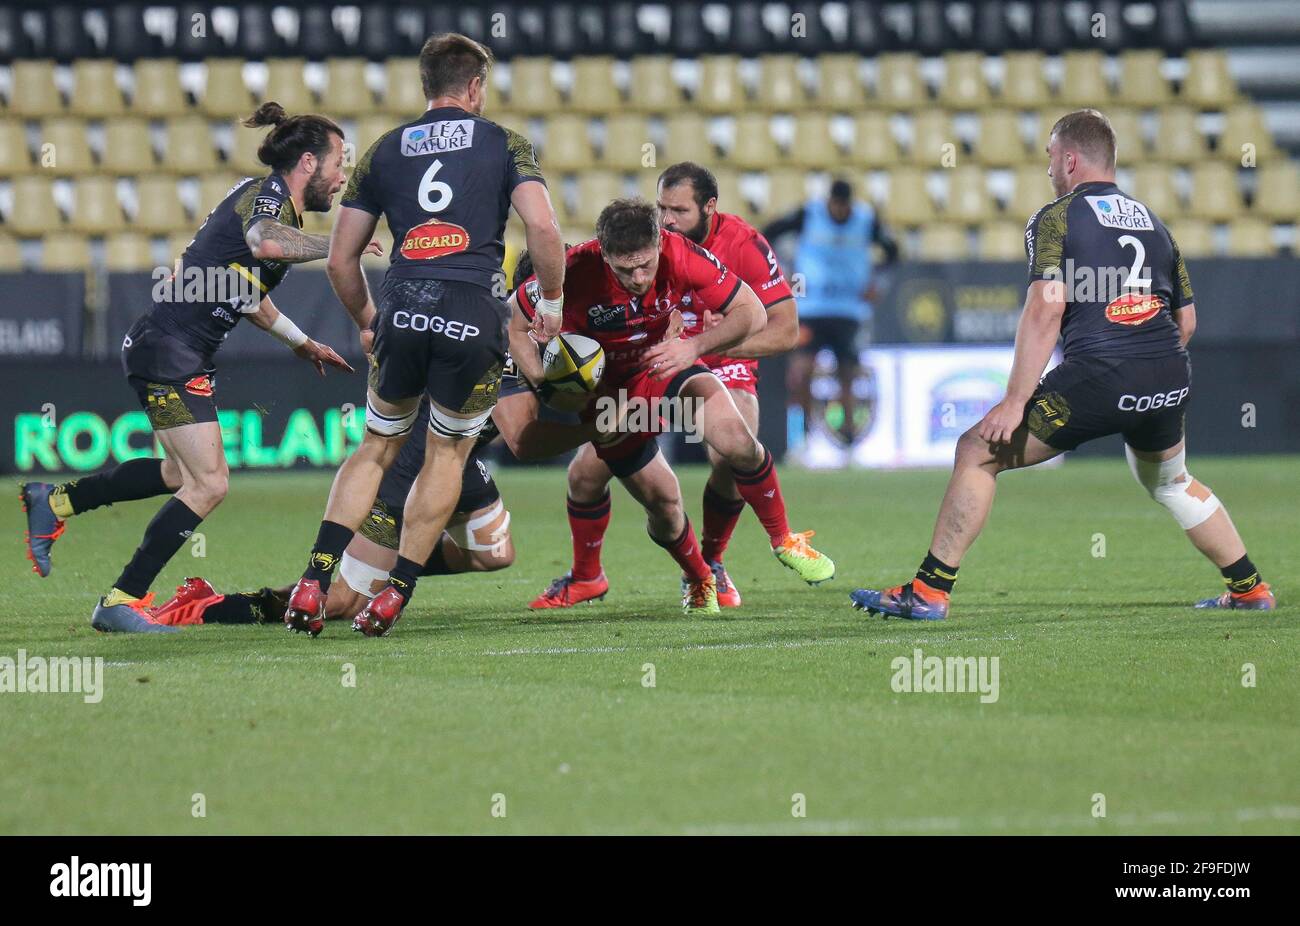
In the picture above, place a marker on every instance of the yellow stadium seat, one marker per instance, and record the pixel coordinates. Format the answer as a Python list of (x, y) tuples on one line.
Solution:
[(963, 84), (1023, 83), (1277, 191), (63, 251), (813, 145), (968, 199), (932, 138), (157, 92), (158, 208), (1002, 241), (243, 152), (34, 93), (1216, 195), (626, 134), (909, 203), (752, 146), (346, 92), (370, 129), (190, 149), (687, 139), (1194, 238), (94, 89), (594, 91), (999, 143), (225, 94), (779, 86), (839, 83), (647, 183), (719, 89), (320, 223), (874, 144), (127, 147), (596, 189), (177, 242), (11, 257), (1250, 238), (33, 211), (15, 157), (1084, 82), (1033, 191), (403, 94), (128, 251), (787, 189), (899, 84), (568, 143), (508, 118), (286, 85), (1178, 138), (1208, 84), (213, 188), (1153, 184), (97, 211), (64, 149), (531, 89), (1141, 83), (652, 88), (1129, 140), (942, 241), (729, 195), (1245, 134)]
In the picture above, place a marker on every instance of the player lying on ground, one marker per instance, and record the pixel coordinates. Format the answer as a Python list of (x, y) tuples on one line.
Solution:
[(168, 357), (1126, 371), (688, 200), (624, 289)]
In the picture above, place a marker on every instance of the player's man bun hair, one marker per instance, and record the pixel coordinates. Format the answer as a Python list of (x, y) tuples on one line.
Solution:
[(1089, 132), (292, 137), (626, 226), (703, 184)]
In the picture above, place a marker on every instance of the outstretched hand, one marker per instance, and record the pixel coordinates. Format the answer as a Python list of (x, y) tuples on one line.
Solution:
[(318, 355)]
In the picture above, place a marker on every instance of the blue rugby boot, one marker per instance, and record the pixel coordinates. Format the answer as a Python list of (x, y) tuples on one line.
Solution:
[(914, 601)]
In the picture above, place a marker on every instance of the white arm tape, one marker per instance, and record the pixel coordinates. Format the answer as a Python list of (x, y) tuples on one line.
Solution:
[(551, 307), (287, 333)]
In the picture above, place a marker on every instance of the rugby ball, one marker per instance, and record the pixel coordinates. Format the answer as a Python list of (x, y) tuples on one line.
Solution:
[(573, 363)]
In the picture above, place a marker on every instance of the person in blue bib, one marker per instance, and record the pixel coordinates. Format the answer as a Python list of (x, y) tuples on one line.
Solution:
[(833, 257)]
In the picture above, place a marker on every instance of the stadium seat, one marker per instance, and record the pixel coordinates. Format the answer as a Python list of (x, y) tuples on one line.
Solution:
[(178, 241), (1244, 125), (594, 91), (509, 119), (729, 194), (909, 202), (190, 149), (97, 209), (568, 143), (286, 85), (899, 84), (779, 86), (999, 143), (968, 200), (1216, 195), (813, 147), (15, 157), (64, 149), (625, 136), (787, 190), (213, 188), (531, 88), (596, 189), (158, 205), (719, 89), (346, 93), (839, 83), (127, 147), (1002, 241), (1153, 184), (64, 251), (1277, 191), (403, 93), (752, 146), (370, 129), (652, 88), (320, 223), (157, 91), (1194, 239), (94, 89), (1250, 238), (11, 257), (34, 93), (1023, 83), (1141, 82), (1084, 80), (1178, 138), (1208, 85), (128, 251), (963, 84), (385, 237), (33, 211), (687, 139), (225, 95), (243, 152), (1130, 140), (1033, 191), (932, 131), (874, 144), (941, 241)]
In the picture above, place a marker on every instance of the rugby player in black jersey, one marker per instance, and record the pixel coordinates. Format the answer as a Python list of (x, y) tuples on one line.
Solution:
[(1126, 371), (445, 181), (240, 253)]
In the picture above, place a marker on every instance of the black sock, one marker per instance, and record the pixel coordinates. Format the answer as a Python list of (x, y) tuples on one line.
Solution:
[(403, 575), (436, 565), (240, 608), (125, 482), (937, 574), (331, 540), (166, 534), (1241, 576)]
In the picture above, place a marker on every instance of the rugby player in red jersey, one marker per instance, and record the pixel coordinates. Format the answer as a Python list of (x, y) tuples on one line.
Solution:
[(626, 288), (688, 200)]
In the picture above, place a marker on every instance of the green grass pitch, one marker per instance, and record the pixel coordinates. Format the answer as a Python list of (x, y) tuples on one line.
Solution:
[(1109, 684)]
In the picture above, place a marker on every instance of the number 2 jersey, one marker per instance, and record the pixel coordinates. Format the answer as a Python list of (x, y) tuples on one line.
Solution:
[(443, 182), (1122, 271)]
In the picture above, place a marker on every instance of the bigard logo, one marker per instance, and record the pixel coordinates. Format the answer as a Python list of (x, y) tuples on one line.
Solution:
[(1133, 309), (434, 239)]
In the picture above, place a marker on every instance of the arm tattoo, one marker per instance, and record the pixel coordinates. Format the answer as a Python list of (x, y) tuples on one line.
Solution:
[(295, 245)]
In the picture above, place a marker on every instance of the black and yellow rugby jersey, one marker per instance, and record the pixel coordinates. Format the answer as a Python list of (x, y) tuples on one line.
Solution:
[(1121, 268), (443, 181), (200, 307)]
